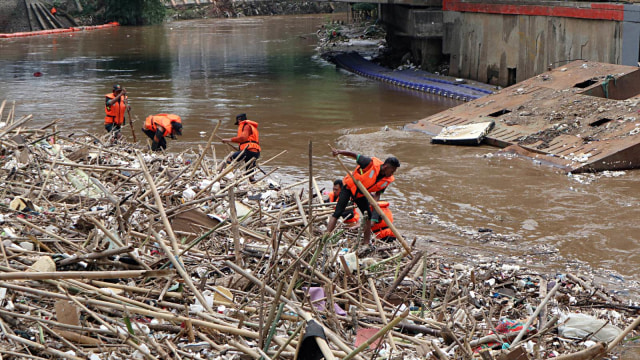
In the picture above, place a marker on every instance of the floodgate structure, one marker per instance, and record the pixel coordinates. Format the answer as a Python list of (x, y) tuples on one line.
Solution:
[(581, 117)]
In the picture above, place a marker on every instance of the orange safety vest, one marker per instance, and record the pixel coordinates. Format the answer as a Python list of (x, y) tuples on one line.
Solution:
[(153, 121), (253, 142), (380, 228), (115, 112), (367, 177), (354, 218), (53, 11)]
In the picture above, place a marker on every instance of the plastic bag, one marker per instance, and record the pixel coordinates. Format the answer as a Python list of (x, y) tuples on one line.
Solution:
[(580, 326)]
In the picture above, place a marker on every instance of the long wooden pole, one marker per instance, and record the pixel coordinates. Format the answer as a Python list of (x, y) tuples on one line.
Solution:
[(126, 103), (626, 331), (377, 335), (133, 133), (45, 231), (185, 276), (197, 164), (324, 347), (383, 315), (311, 188), (57, 275), (535, 314)]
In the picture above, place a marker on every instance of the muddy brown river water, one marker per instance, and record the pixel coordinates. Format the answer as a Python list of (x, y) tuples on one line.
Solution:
[(267, 67)]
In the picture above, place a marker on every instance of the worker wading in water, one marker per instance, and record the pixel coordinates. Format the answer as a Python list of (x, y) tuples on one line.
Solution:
[(375, 175), (248, 139), (379, 227), (158, 127), (115, 106), (349, 216)]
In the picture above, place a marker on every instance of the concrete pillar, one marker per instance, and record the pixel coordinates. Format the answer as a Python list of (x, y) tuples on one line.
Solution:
[(631, 35)]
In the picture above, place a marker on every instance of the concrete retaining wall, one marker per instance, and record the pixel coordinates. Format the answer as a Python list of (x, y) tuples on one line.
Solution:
[(7, 10), (631, 35), (504, 49)]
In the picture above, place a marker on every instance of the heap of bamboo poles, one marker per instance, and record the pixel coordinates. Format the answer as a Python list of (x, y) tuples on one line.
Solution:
[(113, 252)]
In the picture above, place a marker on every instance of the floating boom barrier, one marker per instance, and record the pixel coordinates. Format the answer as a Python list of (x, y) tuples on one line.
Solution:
[(58, 31), (418, 80)]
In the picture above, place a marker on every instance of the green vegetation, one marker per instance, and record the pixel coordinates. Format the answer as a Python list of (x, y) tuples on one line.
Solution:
[(364, 11), (364, 7), (135, 12)]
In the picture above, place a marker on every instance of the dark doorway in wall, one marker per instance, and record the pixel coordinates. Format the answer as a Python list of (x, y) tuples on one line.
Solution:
[(511, 76)]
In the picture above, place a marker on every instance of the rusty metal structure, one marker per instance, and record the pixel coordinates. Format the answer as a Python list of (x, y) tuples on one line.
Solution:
[(582, 117)]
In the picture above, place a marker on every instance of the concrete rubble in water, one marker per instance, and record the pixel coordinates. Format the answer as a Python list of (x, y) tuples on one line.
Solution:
[(113, 252)]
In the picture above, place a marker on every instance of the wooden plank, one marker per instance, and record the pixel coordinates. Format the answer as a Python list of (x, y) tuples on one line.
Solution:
[(70, 18), (27, 4), (47, 24), (35, 12), (79, 6), (52, 19)]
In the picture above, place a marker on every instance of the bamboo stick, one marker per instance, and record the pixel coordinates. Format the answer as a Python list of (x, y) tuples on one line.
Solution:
[(187, 279), (298, 311), (45, 231), (41, 347), (535, 314), (377, 335), (95, 255), (83, 274), (383, 315), (237, 248), (202, 154)]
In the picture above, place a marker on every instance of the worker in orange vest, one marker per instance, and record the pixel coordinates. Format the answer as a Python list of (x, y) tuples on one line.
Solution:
[(115, 106), (349, 216), (375, 175), (248, 139), (379, 227), (159, 126), (54, 11)]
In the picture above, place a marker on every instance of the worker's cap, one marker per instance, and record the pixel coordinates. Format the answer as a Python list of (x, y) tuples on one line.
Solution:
[(117, 87), (240, 117), (177, 127)]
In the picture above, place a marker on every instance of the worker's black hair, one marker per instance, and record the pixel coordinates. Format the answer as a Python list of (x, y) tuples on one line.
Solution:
[(392, 161), (338, 182), (240, 117), (177, 127)]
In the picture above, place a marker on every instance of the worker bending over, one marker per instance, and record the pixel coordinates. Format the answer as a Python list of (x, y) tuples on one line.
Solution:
[(159, 126), (248, 138), (375, 175), (349, 216)]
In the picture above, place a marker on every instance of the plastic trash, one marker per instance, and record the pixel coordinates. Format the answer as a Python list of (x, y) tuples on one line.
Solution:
[(579, 326), (188, 193), (317, 293)]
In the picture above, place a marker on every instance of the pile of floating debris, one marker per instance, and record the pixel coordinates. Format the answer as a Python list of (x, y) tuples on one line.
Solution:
[(367, 39), (109, 251)]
